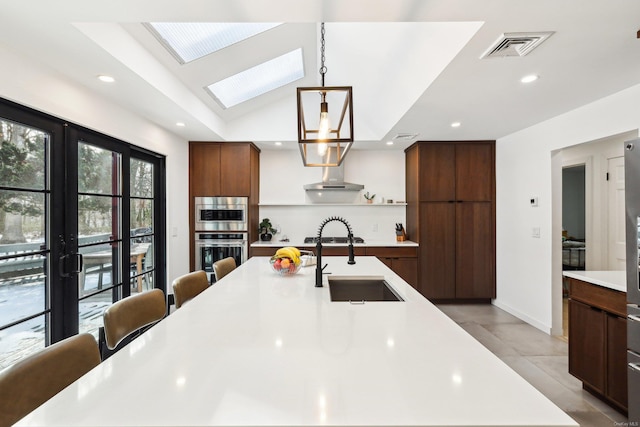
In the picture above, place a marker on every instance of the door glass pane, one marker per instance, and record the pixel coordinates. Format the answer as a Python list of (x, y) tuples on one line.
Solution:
[(24, 299), (98, 218), (97, 270), (142, 225), (21, 340), (141, 267), (98, 170), (91, 310), (141, 179), (99, 230)]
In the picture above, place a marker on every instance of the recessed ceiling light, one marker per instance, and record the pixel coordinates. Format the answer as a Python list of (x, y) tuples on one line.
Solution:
[(530, 78), (455, 124), (278, 143), (106, 79), (180, 124), (389, 142)]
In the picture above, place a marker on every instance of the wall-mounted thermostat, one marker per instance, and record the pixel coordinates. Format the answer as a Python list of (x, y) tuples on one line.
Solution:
[(534, 201)]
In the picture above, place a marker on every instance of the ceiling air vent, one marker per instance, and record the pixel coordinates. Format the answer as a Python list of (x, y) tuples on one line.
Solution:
[(405, 136), (516, 44)]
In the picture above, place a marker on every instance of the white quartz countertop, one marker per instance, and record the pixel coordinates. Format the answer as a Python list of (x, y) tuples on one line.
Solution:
[(367, 243), (616, 280), (258, 349)]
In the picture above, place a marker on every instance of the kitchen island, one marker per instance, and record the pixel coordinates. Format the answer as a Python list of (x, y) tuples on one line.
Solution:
[(259, 349)]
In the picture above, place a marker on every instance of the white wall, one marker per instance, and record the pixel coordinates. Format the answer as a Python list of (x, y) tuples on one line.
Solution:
[(528, 164), (29, 83), (282, 176)]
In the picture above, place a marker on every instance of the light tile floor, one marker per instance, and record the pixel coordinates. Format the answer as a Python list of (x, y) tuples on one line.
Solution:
[(539, 358)]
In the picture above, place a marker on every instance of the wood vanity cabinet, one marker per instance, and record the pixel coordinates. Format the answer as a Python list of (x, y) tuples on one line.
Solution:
[(598, 341), (451, 214)]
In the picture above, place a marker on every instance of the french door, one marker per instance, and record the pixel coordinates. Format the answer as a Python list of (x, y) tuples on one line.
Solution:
[(81, 226)]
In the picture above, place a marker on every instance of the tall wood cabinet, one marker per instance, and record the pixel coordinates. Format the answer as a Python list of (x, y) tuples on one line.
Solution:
[(224, 169), (451, 213)]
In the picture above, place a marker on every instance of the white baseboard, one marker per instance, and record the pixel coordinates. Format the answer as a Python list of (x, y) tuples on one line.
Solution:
[(533, 322)]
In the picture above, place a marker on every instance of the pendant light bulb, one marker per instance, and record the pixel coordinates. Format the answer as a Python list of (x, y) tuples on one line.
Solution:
[(324, 128), (322, 148)]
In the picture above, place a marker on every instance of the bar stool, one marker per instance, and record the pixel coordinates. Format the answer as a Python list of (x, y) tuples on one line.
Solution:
[(132, 314), (40, 376), (223, 267), (188, 286)]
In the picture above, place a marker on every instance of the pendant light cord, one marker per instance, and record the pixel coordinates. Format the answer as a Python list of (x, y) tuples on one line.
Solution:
[(323, 68)]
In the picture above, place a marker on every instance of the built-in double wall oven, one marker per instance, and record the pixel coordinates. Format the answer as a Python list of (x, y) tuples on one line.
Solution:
[(221, 231)]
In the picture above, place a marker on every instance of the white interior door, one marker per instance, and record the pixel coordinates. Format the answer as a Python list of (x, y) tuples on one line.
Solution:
[(616, 214)]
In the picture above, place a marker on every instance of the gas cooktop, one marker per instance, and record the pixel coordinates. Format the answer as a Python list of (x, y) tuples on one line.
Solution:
[(333, 240)]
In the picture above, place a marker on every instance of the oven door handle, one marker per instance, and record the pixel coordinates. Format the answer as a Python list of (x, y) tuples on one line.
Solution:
[(218, 244)]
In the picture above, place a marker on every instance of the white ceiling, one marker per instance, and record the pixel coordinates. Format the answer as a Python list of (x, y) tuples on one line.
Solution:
[(414, 64)]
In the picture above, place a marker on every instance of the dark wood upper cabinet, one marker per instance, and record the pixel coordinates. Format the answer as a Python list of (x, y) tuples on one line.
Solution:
[(235, 170), (222, 168), (437, 172), (204, 169), (475, 172)]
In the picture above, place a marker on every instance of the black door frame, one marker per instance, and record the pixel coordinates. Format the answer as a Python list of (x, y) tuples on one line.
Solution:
[(61, 202)]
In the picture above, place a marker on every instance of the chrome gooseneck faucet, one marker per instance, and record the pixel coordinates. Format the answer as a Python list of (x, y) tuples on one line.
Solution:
[(319, 266)]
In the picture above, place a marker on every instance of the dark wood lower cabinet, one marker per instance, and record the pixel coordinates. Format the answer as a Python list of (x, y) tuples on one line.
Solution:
[(617, 359), (438, 250), (587, 345), (598, 341), (402, 260), (457, 251)]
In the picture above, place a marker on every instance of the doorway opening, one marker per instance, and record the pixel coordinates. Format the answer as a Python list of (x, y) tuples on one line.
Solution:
[(573, 230)]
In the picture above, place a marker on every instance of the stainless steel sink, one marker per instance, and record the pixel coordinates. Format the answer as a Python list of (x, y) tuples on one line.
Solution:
[(361, 288)]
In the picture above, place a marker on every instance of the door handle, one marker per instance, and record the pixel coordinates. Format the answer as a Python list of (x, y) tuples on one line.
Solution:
[(62, 265), (79, 263)]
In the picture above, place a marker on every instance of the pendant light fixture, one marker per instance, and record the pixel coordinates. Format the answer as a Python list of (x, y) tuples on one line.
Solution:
[(325, 119)]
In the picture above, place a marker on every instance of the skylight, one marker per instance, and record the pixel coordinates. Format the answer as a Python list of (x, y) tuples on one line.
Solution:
[(258, 80), (192, 40)]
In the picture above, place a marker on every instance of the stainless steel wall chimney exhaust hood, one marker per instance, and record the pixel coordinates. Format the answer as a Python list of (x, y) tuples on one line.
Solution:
[(333, 178)]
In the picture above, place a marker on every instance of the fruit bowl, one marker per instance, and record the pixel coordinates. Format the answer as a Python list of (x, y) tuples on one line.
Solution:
[(285, 266), (286, 261)]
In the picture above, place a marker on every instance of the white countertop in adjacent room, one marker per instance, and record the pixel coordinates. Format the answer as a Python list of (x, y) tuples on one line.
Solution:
[(258, 349), (616, 280), (367, 243)]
